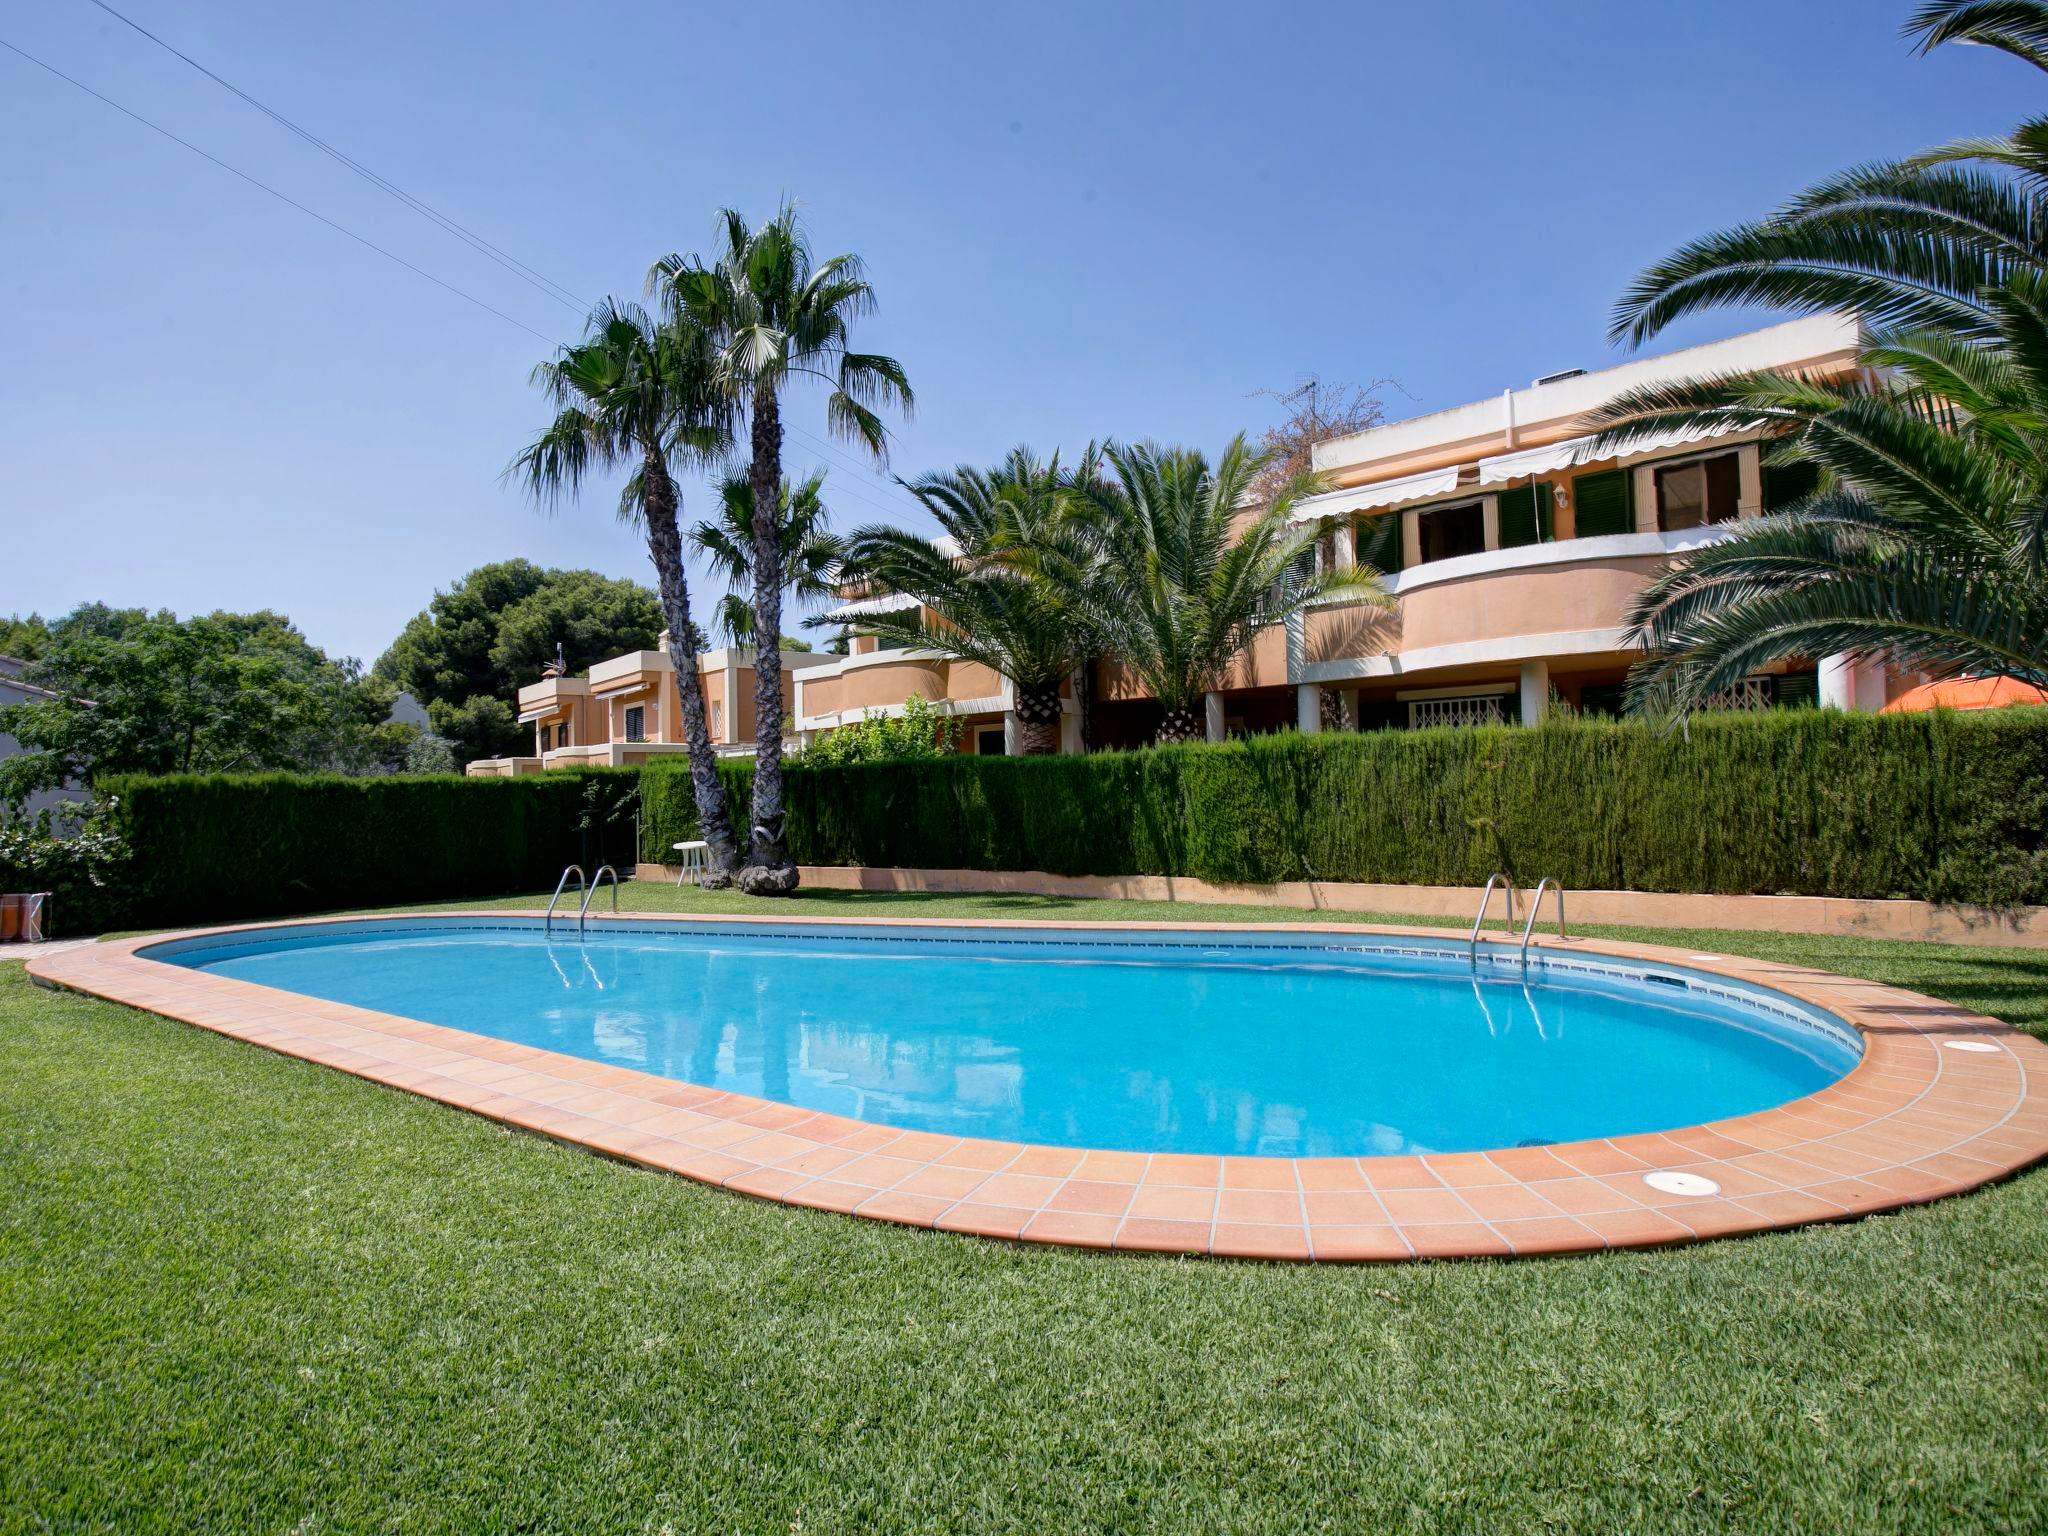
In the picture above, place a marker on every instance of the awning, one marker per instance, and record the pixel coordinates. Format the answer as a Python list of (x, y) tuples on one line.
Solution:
[(1385, 493), (545, 712), (1574, 451), (625, 688), (1966, 693), (895, 602)]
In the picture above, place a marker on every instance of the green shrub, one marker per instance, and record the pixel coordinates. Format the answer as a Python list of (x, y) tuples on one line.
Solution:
[(1944, 807), (76, 854), (919, 733), (263, 845)]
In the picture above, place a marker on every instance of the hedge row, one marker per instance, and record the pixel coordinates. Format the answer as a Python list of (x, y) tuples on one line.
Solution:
[(265, 845), (1944, 807)]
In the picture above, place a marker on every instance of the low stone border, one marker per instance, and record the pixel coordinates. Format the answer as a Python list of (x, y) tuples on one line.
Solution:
[(1829, 916), (1943, 1101)]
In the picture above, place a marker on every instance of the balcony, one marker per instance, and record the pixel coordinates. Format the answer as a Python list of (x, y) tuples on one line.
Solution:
[(1569, 597)]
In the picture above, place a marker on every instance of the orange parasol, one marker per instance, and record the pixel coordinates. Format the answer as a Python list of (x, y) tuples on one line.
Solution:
[(1966, 693)]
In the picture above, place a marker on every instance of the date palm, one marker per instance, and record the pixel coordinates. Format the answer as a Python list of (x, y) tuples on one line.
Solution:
[(810, 551), (1010, 582), (1925, 543), (780, 317), (640, 395), (1191, 573), (1912, 243)]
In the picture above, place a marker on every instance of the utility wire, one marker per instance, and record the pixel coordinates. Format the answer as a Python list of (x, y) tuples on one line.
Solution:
[(469, 237), (895, 500), (263, 186), (504, 258)]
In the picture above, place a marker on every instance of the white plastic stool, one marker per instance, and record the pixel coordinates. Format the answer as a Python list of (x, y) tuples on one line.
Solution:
[(696, 858)]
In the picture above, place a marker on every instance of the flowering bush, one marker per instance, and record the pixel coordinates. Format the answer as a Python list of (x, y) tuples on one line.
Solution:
[(75, 852), (919, 734)]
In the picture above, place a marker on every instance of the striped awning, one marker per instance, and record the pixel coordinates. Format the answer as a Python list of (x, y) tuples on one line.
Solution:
[(1574, 451), (1383, 493)]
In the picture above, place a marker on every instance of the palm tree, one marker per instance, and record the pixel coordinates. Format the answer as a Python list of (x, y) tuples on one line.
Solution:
[(634, 393), (1924, 541), (1913, 243), (1010, 581), (1185, 588), (810, 552), (778, 316)]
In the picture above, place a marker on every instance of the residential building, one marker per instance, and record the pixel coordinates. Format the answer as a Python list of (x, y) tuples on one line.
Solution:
[(628, 710), (13, 690), (1511, 551)]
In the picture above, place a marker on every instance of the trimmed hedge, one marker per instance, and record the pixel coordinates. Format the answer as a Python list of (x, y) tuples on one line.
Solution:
[(206, 848), (1944, 807)]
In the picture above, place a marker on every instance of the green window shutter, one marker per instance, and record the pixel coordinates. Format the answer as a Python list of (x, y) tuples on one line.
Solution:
[(1606, 504), (1787, 483), (1797, 690), (1379, 542), (1524, 516)]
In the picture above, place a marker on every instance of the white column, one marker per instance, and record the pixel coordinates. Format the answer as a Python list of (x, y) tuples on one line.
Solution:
[(1013, 734), (1212, 713), (1070, 729), (1308, 708), (1535, 692), (1849, 684), (1346, 545)]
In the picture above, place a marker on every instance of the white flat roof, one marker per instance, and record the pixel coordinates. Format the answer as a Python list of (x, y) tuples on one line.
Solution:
[(1776, 346)]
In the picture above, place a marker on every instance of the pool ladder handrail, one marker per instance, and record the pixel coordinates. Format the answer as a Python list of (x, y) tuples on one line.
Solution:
[(590, 895), (1536, 906), (548, 923), (1485, 901)]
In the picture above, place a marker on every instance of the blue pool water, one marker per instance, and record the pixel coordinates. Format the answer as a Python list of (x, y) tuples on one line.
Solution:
[(1275, 1045)]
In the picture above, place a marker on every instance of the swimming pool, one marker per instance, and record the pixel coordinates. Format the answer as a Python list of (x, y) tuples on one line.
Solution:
[(1285, 1044)]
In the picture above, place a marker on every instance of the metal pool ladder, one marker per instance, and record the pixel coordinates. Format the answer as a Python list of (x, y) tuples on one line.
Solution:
[(1486, 900), (590, 895), (548, 923), (1536, 906)]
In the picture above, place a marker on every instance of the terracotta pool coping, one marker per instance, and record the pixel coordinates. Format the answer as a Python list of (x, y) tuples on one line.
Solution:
[(1916, 1120)]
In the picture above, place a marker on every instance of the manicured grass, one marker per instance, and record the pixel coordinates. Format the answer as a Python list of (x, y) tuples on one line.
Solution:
[(239, 1292)]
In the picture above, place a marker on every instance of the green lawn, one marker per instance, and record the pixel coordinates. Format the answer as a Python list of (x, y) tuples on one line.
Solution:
[(242, 1293)]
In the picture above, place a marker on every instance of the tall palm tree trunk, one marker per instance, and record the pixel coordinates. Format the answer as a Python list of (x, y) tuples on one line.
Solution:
[(1038, 721), (665, 547), (769, 869)]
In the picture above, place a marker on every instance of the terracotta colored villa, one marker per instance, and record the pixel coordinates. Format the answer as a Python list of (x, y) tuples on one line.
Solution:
[(1511, 551)]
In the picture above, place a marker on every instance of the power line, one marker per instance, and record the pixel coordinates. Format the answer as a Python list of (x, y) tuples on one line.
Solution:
[(896, 492), (263, 186), (896, 501), (469, 237), (504, 258)]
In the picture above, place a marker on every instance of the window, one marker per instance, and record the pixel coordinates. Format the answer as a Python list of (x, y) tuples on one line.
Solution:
[(718, 719), (562, 734), (636, 723), (1787, 483), (1379, 542), (1605, 503), (988, 741), (1524, 516), (1448, 532), (1697, 494)]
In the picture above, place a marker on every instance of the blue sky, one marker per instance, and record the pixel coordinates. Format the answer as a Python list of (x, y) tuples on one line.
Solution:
[(1082, 220)]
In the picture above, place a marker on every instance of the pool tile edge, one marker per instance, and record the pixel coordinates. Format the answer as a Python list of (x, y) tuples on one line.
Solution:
[(1912, 1122)]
